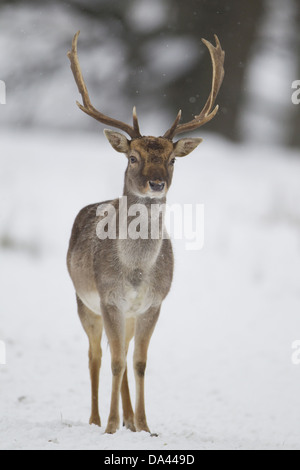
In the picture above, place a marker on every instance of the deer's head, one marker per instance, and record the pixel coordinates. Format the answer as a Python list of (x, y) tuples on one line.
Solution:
[(151, 159)]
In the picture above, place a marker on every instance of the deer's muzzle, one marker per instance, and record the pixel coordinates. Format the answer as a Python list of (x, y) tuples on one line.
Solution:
[(157, 186)]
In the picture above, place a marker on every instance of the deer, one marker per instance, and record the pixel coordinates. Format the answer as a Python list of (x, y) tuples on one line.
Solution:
[(120, 282)]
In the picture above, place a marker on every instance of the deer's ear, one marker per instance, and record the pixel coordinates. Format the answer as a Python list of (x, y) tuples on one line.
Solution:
[(185, 146), (118, 141)]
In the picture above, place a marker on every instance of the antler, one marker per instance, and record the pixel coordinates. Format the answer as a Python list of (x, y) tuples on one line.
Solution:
[(87, 107), (217, 58)]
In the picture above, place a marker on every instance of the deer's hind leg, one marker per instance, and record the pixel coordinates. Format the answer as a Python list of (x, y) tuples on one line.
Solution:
[(128, 415), (93, 327)]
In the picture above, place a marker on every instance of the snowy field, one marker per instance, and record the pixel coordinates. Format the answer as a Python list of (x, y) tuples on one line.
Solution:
[(219, 373)]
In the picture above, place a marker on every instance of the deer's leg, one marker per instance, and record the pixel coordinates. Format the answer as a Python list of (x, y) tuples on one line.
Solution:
[(114, 324), (128, 415), (93, 327), (145, 325)]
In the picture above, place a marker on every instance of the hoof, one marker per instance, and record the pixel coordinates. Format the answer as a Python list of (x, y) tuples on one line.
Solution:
[(129, 424), (111, 428), (95, 420), (142, 427)]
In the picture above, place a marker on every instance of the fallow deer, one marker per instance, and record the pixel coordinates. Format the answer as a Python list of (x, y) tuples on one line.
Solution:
[(120, 283)]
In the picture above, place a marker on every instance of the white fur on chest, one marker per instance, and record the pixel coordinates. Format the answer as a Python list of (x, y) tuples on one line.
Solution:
[(137, 300), (131, 302)]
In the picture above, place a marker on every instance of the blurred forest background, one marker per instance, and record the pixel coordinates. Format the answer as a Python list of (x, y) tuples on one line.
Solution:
[(149, 53)]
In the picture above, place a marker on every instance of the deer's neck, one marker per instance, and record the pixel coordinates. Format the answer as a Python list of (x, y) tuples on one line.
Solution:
[(145, 230), (149, 212), (146, 201)]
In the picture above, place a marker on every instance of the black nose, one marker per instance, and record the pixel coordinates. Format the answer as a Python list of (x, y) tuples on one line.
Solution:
[(156, 186)]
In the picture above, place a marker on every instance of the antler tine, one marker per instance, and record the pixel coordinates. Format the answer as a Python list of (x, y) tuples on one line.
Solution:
[(171, 132), (217, 58), (87, 107), (135, 121)]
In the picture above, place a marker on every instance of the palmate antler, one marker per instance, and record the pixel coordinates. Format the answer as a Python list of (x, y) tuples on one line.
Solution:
[(217, 58), (88, 108)]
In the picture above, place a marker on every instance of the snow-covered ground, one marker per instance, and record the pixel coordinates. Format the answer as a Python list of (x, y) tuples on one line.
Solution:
[(219, 373)]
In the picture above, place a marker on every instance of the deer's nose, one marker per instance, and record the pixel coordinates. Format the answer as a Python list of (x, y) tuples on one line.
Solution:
[(156, 186)]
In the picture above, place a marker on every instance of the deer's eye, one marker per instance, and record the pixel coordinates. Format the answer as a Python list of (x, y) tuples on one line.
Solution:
[(172, 161), (133, 159)]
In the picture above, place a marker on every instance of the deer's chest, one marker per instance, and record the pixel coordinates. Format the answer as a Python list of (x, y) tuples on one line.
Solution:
[(137, 258), (136, 299), (138, 253)]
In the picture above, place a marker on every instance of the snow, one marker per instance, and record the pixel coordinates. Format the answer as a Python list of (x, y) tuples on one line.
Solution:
[(219, 372)]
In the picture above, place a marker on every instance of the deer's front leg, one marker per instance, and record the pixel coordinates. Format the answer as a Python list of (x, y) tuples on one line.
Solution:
[(128, 415), (92, 325), (114, 325), (145, 325)]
